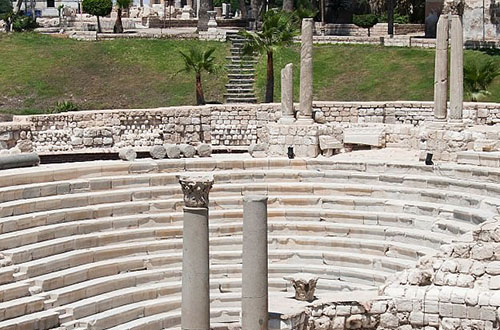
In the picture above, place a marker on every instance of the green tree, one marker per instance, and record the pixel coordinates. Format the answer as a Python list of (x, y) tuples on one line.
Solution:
[(121, 4), (98, 8), (478, 75), (6, 13), (198, 61), (277, 30), (365, 21)]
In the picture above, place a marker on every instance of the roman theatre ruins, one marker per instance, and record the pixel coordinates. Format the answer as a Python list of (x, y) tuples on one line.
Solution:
[(389, 210)]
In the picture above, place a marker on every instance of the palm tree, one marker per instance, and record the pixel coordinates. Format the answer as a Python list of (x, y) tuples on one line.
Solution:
[(478, 75), (277, 30), (121, 4), (198, 61)]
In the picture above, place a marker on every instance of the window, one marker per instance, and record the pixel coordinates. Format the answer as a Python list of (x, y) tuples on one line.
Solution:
[(51, 3)]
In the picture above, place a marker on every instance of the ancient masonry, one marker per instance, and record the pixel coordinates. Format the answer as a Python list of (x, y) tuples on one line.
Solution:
[(285, 237)]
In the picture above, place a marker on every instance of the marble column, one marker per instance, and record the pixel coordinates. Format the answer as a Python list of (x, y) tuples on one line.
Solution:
[(456, 68), (195, 306), (287, 115), (441, 69), (306, 70), (254, 300)]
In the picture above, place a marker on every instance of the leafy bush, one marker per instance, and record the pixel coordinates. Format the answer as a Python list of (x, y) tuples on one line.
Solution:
[(478, 75), (63, 106), (5, 7), (366, 21), (97, 8), (23, 23), (398, 19)]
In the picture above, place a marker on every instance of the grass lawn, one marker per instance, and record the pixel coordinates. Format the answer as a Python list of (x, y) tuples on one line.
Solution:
[(37, 71)]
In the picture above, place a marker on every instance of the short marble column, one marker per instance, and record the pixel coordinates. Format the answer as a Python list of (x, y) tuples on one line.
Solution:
[(254, 300), (456, 68), (306, 70), (195, 307), (441, 69), (287, 115)]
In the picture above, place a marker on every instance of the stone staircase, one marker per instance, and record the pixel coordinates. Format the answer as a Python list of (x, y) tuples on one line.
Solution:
[(98, 245), (241, 73)]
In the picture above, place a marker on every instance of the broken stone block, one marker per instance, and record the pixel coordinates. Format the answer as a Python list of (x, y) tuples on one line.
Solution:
[(127, 154)]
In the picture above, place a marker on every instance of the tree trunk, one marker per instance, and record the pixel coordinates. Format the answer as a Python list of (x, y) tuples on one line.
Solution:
[(98, 25), (270, 78), (255, 6), (19, 5), (200, 98), (288, 5), (390, 17), (205, 6), (118, 24), (243, 9)]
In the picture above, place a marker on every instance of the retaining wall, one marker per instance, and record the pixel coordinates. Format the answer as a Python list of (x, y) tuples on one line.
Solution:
[(230, 126)]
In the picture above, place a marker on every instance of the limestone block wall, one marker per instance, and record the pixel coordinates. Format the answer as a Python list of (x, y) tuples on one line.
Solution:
[(15, 134), (458, 288), (224, 126)]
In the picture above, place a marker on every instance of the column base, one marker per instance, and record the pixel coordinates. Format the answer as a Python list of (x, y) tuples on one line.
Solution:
[(302, 120), (286, 120)]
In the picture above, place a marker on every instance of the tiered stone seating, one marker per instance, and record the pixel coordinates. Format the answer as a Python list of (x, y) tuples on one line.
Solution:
[(100, 244)]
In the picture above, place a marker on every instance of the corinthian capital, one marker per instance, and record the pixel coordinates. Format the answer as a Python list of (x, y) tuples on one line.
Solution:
[(453, 7), (196, 189)]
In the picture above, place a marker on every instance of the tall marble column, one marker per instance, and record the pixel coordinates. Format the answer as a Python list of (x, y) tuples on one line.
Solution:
[(254, 300), (195, 307), (306, 70), (287, 115), (441, 69), (456, 68)]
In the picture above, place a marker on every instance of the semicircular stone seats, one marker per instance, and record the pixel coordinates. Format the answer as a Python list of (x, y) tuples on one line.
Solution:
[(100, 243)]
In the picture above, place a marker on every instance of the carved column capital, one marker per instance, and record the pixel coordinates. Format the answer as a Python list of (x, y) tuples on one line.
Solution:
[(453, 7), (196, 189)]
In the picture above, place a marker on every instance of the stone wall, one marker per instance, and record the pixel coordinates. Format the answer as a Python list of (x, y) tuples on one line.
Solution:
[(228, 126), (457, 289), (380, 29)]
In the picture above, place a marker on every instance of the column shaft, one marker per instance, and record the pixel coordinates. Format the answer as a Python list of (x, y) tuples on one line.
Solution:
[(441, 69), (287, 94), (195, 270), (306, 69), (254, 302), (457, 68)]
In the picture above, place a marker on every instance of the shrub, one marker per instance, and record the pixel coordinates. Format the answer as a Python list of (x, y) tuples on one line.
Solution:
[(398, 19), (478, 75), (98, 8), (365, 21), (5, 7), (63, 106), (23, 23)]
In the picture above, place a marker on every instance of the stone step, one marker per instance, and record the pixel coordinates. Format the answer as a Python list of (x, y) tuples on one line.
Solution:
[(239, 95), (241, 81), (240, 86), (40, 320), (240, 90), (242, 59), (19, 307), (241, 100), (240, 71), (241, 65), (241, 75), (117, 298)]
